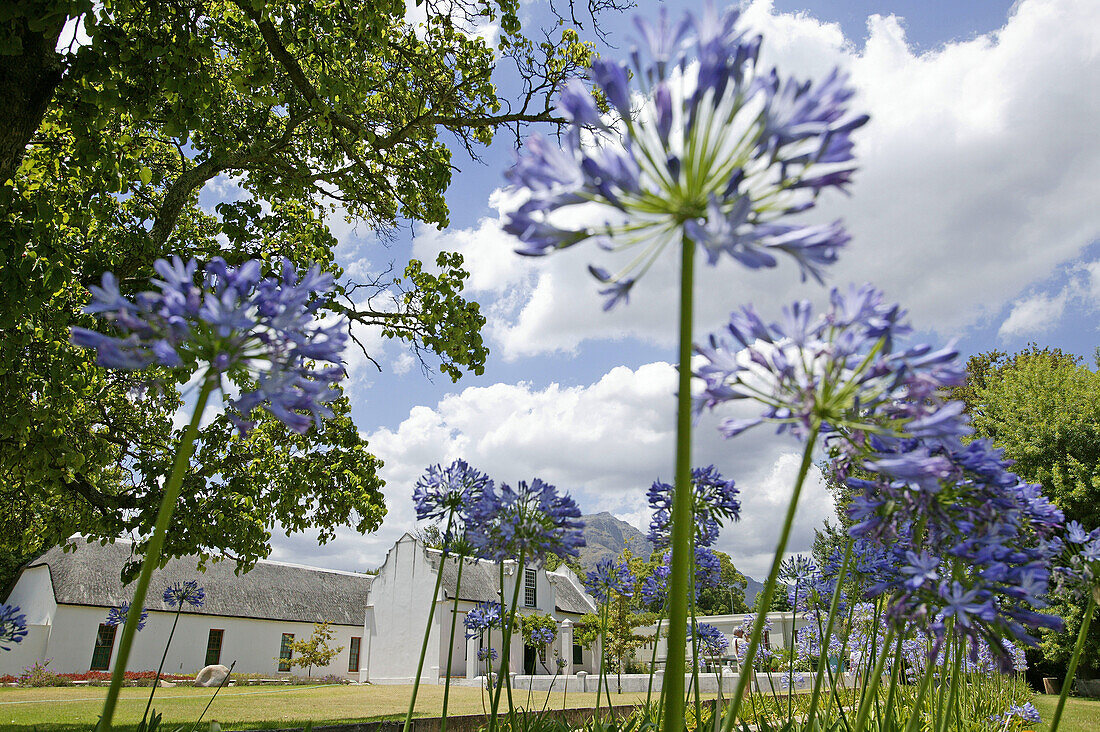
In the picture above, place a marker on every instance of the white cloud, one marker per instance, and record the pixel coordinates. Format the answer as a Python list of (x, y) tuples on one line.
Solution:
[(976, 180), (1034, 314), (604, 443)]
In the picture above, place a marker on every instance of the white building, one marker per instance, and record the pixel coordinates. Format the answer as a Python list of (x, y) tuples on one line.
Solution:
[(247, 618), (378, 620), (399, 600)]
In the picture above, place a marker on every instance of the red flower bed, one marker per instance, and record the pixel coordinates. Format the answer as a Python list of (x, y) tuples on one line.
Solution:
[(128, 676), (8, 679)]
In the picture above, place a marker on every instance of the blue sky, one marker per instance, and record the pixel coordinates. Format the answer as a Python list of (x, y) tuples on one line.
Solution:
[(975, 207)]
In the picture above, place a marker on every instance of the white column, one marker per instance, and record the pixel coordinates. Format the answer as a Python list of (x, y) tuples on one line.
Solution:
[(567, 645), (473, 667)]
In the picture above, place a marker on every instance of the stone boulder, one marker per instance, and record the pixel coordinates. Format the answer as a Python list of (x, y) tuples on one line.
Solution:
[(211, 676)]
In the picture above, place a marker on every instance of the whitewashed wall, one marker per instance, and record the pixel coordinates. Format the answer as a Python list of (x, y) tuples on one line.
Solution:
[(254, 644), (397, 612)]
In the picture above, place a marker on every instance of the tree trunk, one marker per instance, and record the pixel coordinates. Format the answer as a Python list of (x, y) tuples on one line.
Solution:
[(27, 84)]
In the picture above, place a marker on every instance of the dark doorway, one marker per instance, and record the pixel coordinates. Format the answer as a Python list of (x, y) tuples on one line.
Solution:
[(528, 660)]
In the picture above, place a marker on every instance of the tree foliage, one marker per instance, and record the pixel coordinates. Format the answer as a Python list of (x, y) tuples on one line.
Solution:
[(1042, 407), (728, 596), (314, 650), (297, 115)]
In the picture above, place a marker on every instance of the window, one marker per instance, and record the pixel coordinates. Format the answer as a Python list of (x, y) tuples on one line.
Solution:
[(530, 596), (214, 647), (578, 654), (353, 656), (285, 652), (104, 644)]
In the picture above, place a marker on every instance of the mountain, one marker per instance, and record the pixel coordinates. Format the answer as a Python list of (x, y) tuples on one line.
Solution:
[(606, 536)]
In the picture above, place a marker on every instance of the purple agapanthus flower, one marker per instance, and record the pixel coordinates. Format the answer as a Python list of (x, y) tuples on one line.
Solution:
[(533, 521), (721, 153), (715, 501), (840, 370), (182, 593), (542, 636), (712, 642), (610, 578), (448, 491), (654, 588), (487, 654), (117, 616), (968, 544), (263, 333), (482, 617), (13, 626)]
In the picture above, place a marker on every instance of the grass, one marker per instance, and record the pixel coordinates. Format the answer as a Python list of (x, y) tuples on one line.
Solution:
[(69, 709), (1080, 715)]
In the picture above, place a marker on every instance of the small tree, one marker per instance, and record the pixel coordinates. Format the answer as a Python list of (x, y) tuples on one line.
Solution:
[(314, 650)]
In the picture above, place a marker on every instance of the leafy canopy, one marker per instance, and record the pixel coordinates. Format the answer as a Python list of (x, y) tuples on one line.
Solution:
[(296, 115)]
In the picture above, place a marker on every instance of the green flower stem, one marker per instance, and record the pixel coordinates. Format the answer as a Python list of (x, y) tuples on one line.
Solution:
[(1078, 648), (428, 628), (694, 638), (768, 591), (790, 656), (156, 680), (682, 525), (217, 691), (895, 673), (155, 547), (838, 683), (653, 659), (506, 649), (871, 691), (823, 656), (952, 695), (451, 646), (926, 683), (603, 656)]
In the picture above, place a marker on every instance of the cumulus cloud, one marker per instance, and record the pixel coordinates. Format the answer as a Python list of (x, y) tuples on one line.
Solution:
[(976, 177), (1034, 314), (603, 442)]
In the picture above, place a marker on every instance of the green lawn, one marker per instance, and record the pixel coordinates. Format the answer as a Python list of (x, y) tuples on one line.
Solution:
[(253, 707), (1080, 715)]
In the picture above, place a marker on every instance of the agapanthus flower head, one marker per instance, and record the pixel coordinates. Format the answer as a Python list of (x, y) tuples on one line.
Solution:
[(714, 501), (449, 493), (487, 654), (482, 617), (117, 616), (718, 150), (968, 545), (13, 626), (763, 653), (1025, 713), (534, 521), (609, 578), (840, 369), (542, 636), (712, 642), (654, 588), (182, 593), (263, 333)]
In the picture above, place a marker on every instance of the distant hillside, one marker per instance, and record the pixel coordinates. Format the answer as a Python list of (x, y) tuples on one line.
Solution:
[(606, 536)]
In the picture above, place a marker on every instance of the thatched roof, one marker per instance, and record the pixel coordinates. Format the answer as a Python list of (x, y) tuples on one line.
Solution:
[(481, 580), (90, 575)]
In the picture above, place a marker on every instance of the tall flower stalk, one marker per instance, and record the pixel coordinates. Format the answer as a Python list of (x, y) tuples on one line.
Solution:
[(233, 327), (445, 494), (177, 595), (718, 154)]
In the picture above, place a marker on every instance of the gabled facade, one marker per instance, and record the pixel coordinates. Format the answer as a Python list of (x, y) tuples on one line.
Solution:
[(400, 597)]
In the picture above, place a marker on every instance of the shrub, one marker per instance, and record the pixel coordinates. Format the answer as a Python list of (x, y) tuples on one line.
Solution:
[(38, 675)]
